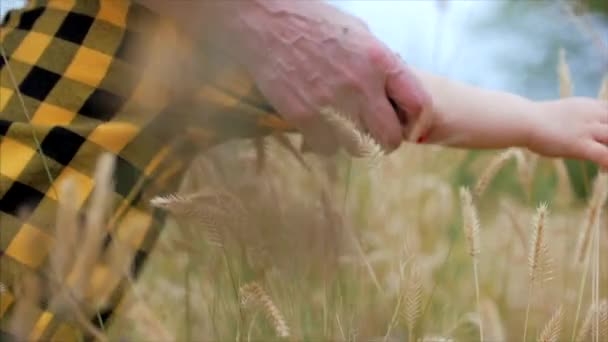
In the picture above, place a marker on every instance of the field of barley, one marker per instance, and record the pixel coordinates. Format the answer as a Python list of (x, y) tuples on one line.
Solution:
[(428, 244), (266, 243)]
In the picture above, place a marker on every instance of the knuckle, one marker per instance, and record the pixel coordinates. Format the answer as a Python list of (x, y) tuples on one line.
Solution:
[(377, 54)]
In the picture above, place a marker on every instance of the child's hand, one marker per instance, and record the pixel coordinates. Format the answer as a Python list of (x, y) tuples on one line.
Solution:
[(572, 128)]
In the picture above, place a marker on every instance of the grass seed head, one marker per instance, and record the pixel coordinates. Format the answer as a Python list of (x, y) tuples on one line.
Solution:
[(357, 143), (470, 221), (553, 328), (539, 261), (253, 295)]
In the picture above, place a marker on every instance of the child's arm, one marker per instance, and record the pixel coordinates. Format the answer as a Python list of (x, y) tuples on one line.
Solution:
[(470, 117)]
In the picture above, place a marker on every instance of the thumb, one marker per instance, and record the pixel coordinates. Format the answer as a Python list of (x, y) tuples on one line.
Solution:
[(407, 94), (405, 89)]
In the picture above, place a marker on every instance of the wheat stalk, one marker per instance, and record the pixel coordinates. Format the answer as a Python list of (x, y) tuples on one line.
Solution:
[(587, 323), (471, 231), (594, 211), (261, 152), (470, 221), (492, 322), (66, 226), (539, 261), (603, 320), (553, 328), (283, 141), (216, 212), (350, 137), (564, 189), (24, 312), (413, 301), (538, 258), (603, 93), (496, 164), (94, 227), (253, 293)]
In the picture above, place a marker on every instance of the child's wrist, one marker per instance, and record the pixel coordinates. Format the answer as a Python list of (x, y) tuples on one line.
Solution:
[(533, 123)]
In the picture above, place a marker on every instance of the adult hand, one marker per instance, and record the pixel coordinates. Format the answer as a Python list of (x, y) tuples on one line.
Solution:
[(306, 55)]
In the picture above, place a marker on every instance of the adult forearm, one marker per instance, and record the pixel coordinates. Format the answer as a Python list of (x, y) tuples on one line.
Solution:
[(238, 27)]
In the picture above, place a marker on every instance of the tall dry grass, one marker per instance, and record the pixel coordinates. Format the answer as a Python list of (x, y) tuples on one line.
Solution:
[(269, 244)]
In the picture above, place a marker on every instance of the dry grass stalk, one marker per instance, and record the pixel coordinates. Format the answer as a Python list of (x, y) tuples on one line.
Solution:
[(603, 320), (564, 189), (585, 328), (471, 231), (216, 212), (66, 226), (492, 322), (496, 164), (538, 258), (594, 212), (553, 328), (24, 314), (563, 71), (470, 221), (350, 137), (261, 153), (433, 338), (539, 261), (152, 327), (603, 93), (413, 301), (594, 313), (283, 141), (254, 294), (95, 229)]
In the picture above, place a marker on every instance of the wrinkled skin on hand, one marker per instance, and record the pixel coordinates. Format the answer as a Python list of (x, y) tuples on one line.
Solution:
[(306, 55)]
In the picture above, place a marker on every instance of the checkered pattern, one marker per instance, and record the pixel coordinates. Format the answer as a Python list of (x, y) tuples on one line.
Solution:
[(86, 90)]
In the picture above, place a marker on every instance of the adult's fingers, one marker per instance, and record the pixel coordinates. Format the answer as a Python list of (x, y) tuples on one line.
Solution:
[(407, 92), (380, 119)]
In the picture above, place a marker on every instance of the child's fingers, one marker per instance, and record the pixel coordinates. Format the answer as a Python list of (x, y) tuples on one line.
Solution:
[(419, 131), (597, 152), (600, 133)]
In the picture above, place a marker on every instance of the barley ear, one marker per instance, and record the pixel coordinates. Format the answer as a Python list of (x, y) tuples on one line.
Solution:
[(495, 165), (539, 261), (470, 221), (253, 294), (471, 231), (553, 328), (413, 300), (350, 137), (586, 326)]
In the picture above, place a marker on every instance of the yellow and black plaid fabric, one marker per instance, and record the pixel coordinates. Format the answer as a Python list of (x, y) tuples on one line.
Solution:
[(73, 85)]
